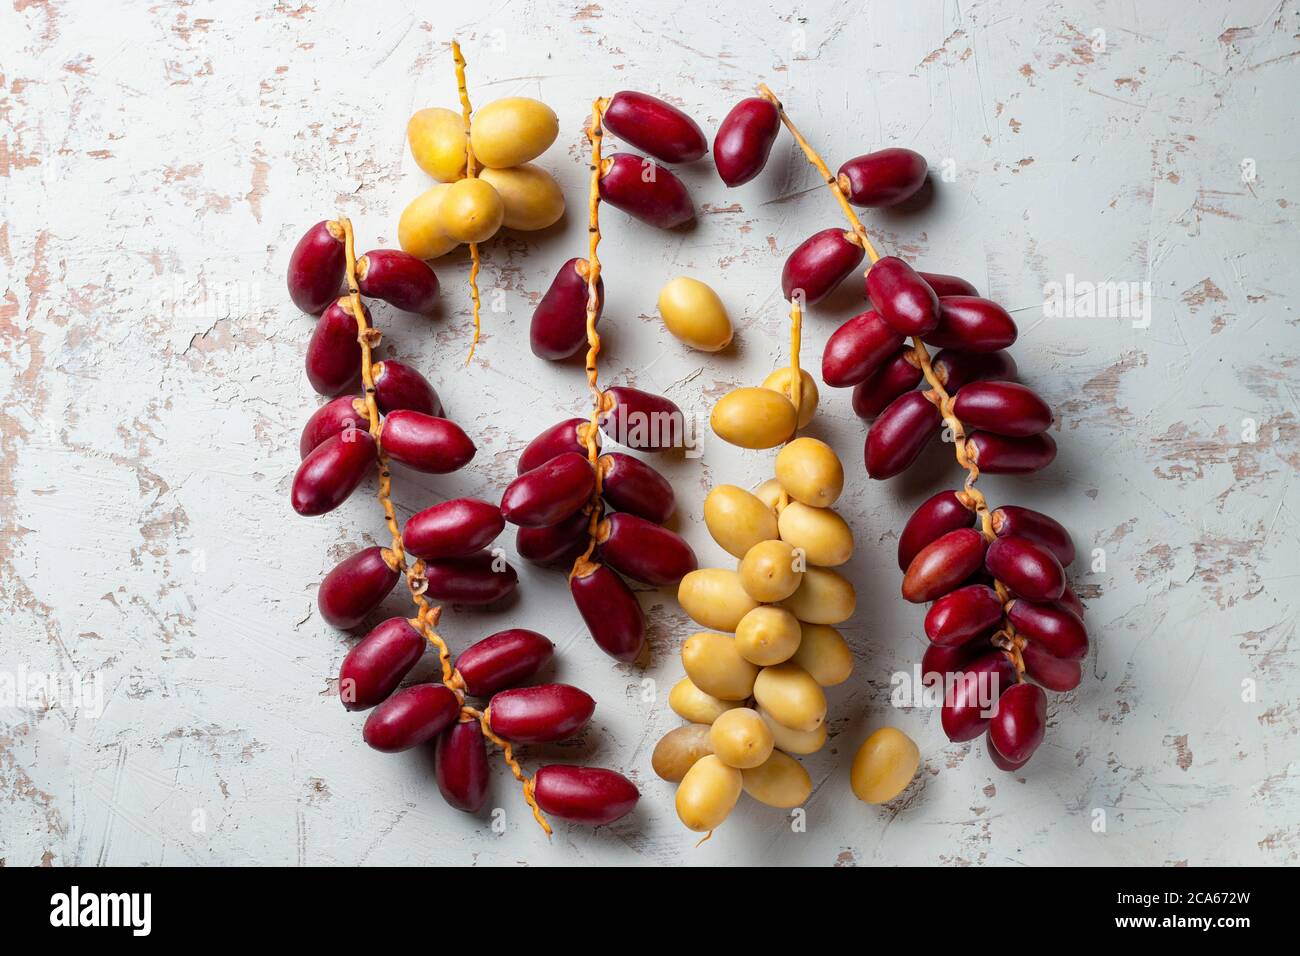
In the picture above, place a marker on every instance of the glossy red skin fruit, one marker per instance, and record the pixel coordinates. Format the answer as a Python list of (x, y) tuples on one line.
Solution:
[(955, 369), (501, 660), (900, 434), (999, 761), (1004, 408), (819, 264), (555, 544), (858, 348), (901, 297), (971, 324), (883, 178), (944, 284), (662, 202), (1028, 569), (553, 442), (355, 587), (376, 665), (629, 484), (941, 660), (963, 615), (655, 127), (1054, 629), (413, 716), (559, 325), (471, 579), (934, 518), (398, 278), (539, 715), (332, 418), (641, 420), (644, 551), (943, 565), (453, 528), (399, 387), (897, 376), (610, 611), (962, 716), (549, 493), (333, 354), (426, 443), (316, 268), (587, 795), (1037, 527), (1052, 672), (1020, 722), (1069, 600), (461, 766), (1000, 455), (744, 140), (328, 476)]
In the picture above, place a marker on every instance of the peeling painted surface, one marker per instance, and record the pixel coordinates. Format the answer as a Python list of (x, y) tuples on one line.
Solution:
[(154, 178)]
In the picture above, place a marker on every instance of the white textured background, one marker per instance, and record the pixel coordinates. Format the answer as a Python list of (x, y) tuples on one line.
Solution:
[(157, 163)]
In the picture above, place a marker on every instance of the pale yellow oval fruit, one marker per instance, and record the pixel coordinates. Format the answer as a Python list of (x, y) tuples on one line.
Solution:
[(690, 703), (471, 211), (741, 739), (780, 781), (715, 666), (768, 635), (789, 694), (714, 597), (824, 654), (418, 231), (707, 793), (769, 492), (825, 538), (771, 571), (693, 313), (738, 520), (824, 597), (810, 471), (795, 741), (532, 197), (678, 750), (437, 140), (779, 381), (884, 765), (512, 131), (753, 418)]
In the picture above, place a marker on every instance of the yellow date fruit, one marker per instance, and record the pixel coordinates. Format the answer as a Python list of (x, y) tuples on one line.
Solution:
[(714, 597), (768, 635), (738, 520), (810, 471), (753, 418), (418, 231), (678, 750), (512, 131), (707, 793), (437, 140), (779, 381), (824, 597), (790, 696), (824, 654), (532, 198), (769, 492), (690, 703), (795, 741), (780, 781), (694, 314), (884, 765), (715, 666), (741, 739), (825, 537), (771, 571), (471, 211)]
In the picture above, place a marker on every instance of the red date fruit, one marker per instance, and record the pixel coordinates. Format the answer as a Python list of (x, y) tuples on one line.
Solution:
[(941, 659), (857, 349), (744, 140), (452, 529), (936, 516), (902, 431), (1052, 672), (656, 127), (643, 550), (398, 278), (1020, 722), (641, 420), (644, 190), (820, 263), (539, 715), (399, 387), (333, 418), (587, 795), (901, 297), (1037, 527), (356, 587), (373, 669), (480, 578), (1069, 600), (332, 472), (557, 543), (461, 766), (999, 455), (426, 443), (549, 493), (629, 484), (1029, 570), (882, 178), (412, 716), (1004, 408), (999, 761), (954, 369), (943, 564), (899, 375), (972, 324), (334, 353), (944, 284), (501, 660), (555, 441), (1052, 628), (974, 695), (963, 614), (559, 326), (610, 611), (316, 267)]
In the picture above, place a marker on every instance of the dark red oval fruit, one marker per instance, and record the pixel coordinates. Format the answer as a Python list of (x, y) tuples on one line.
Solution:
[(461, 766), (330, 419), (1000, 455), (328, 476), (643, 550), (820, 263), (1004, 408), (539, 715), (901, 297), (587, 795), (502, 660), (373, 669), (398, 278), (610, 611), (413, 716), (316, 267), (426, 443), (645, 190), (1051, 627), (453, 528), (654, 126), (744, 140), (630, 485), (934, 518), (1029, 570), (549, 493), (961, 615), (399, 387), (899, 375), (559, 325), (970, 704), (971, 324), (334, 353), (1020, 722), (857, 349), (480, 578), (900, 434), (882, 178), (943, 565), (567, 435), (1037, 527), (356, 586)]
